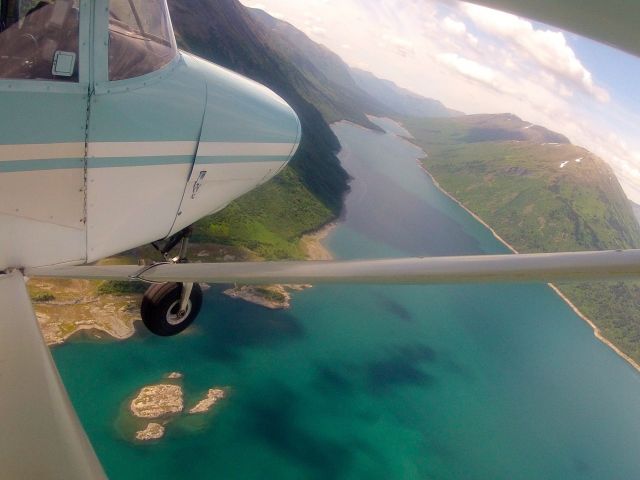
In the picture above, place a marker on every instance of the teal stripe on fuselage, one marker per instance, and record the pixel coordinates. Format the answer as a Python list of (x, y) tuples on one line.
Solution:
[(150, 161), (70, 163), (138, 161), (35, 165), (242, 159)]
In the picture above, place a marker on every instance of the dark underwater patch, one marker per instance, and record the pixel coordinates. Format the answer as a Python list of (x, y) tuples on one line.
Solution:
[(403, 366), (395, 308), (234, 325), (330, 378), (274, 419)]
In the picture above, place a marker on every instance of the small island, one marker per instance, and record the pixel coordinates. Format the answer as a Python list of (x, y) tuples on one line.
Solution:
[(156, 401), (274, 297), (212, 397), (153, 431)]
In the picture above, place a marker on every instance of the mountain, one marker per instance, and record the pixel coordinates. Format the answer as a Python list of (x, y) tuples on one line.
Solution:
[(400, 100), (329, 83), (347, 91), (224, 32), (636, 210), (529, 182), (503, 127), (541, 194)]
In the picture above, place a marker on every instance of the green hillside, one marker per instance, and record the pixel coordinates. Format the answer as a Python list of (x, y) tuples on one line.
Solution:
[(541, 194)]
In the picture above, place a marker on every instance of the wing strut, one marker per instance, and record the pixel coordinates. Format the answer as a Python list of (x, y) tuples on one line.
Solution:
[(40, 434)]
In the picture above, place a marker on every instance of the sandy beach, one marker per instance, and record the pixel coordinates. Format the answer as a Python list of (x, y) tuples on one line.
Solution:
[(312, 243)]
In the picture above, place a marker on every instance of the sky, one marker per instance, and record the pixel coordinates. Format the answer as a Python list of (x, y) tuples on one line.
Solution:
[(479, 60)]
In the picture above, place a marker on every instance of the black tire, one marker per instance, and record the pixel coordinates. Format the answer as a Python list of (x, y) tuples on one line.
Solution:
[(161, 301)]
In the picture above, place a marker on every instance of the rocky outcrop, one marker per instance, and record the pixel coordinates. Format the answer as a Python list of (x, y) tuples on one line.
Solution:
[(157, 406), (153, 431), (155, 401), (274, 297), (212, 397)]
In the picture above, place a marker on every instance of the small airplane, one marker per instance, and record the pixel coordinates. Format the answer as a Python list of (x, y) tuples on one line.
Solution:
[(112, 138)]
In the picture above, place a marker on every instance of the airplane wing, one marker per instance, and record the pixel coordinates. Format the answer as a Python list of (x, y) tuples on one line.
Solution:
[(539, 267), (40, 434)]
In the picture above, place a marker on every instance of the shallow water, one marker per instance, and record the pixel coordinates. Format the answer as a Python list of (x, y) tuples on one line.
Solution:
[(447, 382)]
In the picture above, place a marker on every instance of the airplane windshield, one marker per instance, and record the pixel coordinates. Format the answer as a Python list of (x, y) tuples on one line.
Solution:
[(39, 39), (140, 37)]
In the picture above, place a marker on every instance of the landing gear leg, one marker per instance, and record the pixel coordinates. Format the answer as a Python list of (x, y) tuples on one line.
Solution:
[(169, 308)]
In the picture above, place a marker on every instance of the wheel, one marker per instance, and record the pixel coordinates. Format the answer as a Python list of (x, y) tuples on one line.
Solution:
[(159, 309)]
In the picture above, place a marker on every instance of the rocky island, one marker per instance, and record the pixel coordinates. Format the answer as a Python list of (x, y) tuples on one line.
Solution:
[(153, 431), (274, 297), (212, 397), (164, 404), (156, 401)]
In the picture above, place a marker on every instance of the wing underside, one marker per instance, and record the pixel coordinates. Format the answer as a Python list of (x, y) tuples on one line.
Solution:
[(40, 434)]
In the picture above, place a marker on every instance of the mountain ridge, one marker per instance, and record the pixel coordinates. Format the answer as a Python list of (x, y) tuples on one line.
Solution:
[(400, 100), (325, 70), (223, 32)]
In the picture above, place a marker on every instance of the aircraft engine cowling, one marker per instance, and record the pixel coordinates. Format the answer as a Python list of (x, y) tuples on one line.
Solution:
[(248, 135), (185, 146)]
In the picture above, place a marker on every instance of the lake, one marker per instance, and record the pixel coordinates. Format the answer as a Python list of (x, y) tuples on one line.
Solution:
[(376, 382)]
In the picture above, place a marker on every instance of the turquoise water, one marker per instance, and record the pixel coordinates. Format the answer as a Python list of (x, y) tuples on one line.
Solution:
[(377, 382)]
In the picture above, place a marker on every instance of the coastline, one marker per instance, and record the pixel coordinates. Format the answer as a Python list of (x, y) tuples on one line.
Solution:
[(111, 334), (113, 317), (596, 330), (312, 242), (77, 307), (278, 296)]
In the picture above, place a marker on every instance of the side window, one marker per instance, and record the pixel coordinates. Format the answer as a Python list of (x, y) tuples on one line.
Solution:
[(39, 39), (140, 37)]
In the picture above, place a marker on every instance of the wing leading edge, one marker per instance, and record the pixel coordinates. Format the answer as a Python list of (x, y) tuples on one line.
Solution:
[(40, 434), (539, 267)]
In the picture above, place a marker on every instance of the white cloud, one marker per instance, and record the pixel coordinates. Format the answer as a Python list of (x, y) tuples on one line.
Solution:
[(469, 68), (454, 26), (402, 46), (318, 30), (549, 48)]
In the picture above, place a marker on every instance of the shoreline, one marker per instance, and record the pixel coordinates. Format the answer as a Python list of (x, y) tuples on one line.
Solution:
[(89, 328), (597, 333), (312, 242), (314, 249)]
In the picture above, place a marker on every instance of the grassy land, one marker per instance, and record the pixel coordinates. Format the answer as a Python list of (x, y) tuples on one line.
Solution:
[(510, 175), (269, 221)]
